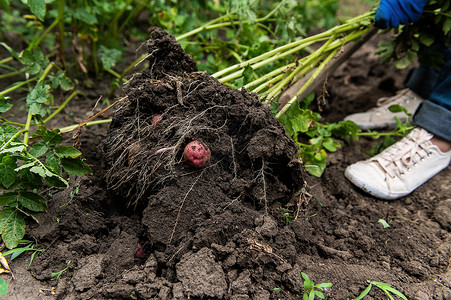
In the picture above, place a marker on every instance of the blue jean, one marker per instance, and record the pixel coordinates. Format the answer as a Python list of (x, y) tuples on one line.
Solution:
[(433, 114)]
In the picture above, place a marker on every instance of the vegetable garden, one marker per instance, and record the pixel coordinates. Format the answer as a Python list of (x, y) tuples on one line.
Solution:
[(152, 150)]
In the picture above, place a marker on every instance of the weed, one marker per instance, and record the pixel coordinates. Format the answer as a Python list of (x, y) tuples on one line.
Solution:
[(58, 274), (288, 218), (384, 223), (385, 287), (29, 247), (312, 290)]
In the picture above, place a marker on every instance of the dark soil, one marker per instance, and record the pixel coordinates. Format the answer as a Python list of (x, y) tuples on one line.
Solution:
[(146, 225)]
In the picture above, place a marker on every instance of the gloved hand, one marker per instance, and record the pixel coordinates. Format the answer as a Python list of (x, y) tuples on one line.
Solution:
[(391, 13)]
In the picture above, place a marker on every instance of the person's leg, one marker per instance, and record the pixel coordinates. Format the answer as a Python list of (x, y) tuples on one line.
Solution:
[(434, 114), (419, 84), (409, 163)]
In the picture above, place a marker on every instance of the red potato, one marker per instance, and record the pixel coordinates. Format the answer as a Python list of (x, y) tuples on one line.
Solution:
[(156, 119), (140, 251), (197, 154)]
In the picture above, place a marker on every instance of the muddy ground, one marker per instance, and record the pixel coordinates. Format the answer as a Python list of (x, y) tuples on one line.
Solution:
[(146, 225)]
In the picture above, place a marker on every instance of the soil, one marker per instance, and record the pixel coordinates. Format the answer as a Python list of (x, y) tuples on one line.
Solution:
[(146, 225)]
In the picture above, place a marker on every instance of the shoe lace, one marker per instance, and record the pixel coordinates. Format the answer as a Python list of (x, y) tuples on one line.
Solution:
[(399, 158), (401, 97)]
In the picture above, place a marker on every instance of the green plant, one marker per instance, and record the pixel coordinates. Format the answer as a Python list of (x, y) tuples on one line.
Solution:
[(288, 218), (415, 39), (31, 155), (385, 287), (3, 287), (312, 290), (59, 273)]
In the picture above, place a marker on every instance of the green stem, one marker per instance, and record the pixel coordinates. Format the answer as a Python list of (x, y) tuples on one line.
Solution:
[(30, 115), (300, 73), (212, 24), (71, 127), (311, 79), (61, 29), (6, 60), (318, 53), (13, 123), (27, 128), (257, 62), (348, 26), (269, 75), (46, 71), (114, 73), (134, 64), (61, 107), (435, 12), (17, 86), (37, 41), (13, 73)]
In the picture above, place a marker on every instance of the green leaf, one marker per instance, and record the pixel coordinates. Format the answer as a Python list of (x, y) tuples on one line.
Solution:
[(7, 173), (426, 39), (60, 79), (314, 163), (9, 199), (82, 14), (10, 50), (14, 148), (311, 295), (12, 226), (74, 166), (248, 73), (37, 98), (53, 137), (52, 162), (396, 292), (447, 26), (305, 276), (43, 172), (7, 132), (37, 7), (4, 105), (67, 151), (109, 57), (38, 149), (32, 201), (384, 223), (365, 292), (3, 284), (4, 4), (324, 285), (330, 144), (319, 294)]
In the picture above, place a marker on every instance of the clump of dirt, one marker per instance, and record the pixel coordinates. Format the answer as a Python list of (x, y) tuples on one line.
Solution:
[(252, 158)]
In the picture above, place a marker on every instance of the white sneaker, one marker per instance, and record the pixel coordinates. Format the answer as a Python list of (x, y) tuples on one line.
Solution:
[(401, 168), (381, 117)]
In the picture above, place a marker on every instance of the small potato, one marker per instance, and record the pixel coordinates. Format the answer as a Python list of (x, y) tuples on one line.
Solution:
[(156, 119), (197, 154)]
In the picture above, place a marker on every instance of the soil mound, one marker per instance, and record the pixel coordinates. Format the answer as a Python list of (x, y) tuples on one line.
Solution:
[(203, 228)]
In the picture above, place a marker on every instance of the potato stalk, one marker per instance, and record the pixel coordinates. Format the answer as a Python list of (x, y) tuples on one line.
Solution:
[(314, 75), (213, 25), (307, 62), (346, 27)]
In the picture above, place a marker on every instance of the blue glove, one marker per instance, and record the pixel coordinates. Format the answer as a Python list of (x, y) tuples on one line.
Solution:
[(391, 13)]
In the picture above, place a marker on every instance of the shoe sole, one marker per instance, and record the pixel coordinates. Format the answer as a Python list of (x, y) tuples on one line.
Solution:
[(369, 188)]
